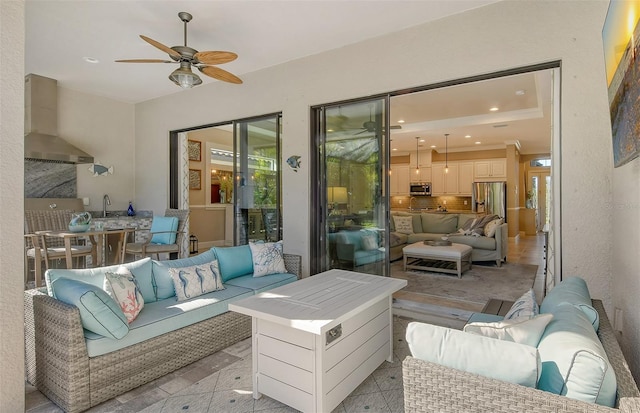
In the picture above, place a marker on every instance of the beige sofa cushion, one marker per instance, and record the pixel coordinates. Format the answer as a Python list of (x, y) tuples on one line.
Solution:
[(439, 223)]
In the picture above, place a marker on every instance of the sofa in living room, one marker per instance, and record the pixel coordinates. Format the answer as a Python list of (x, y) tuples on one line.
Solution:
[(487, 235), (562, 356), (96, 333)]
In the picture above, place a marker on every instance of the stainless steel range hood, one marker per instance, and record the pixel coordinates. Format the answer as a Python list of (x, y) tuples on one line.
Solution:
[(41, 141)]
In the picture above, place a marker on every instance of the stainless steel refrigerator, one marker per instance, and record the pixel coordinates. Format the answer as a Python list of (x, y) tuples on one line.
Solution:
[(490, 198)]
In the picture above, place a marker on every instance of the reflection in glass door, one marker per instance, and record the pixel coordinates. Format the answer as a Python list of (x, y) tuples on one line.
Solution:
[(257, 180), (352, 222)]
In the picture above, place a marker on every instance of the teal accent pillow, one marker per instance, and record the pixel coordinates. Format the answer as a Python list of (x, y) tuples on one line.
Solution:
[(159, 224), (574, 363), (99, 313), (234, 261), (571, 290), (141, 269), (488, 357), (162, 279)]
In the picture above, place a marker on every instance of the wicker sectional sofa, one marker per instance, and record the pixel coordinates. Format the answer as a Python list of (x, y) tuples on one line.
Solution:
[(59, 364), (434, 387)]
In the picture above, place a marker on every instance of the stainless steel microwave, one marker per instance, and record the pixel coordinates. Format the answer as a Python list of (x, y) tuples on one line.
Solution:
[(420, 188)]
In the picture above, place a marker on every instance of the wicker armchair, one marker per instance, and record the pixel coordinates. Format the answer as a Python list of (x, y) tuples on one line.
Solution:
[(147, 248), (39, 247), (430, 387)]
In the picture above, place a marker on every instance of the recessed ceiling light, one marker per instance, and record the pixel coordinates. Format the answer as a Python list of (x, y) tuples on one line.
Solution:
[(433, 146), (478, 142), (90, 59), (394, 149), (400, 120), (494, 109), (421, 140), (520, 92), (467, 136)]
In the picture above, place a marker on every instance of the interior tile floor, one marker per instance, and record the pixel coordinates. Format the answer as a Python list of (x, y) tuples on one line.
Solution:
[(221, 382)]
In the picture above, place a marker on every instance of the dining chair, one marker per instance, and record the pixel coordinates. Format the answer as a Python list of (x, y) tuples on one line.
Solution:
[(39, 248), (164, 237)]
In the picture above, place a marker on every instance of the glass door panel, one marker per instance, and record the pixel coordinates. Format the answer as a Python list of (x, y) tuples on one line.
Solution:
[(352, 158), (257, 180)]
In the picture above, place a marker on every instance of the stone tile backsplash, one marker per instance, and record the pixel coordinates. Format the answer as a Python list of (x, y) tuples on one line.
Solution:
[(452, 203)]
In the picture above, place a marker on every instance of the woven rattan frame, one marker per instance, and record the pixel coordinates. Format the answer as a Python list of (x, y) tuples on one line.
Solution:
[(57, 362), (430, 387)]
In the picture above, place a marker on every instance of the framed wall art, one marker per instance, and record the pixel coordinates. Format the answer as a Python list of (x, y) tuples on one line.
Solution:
[(195, 179), (195, 150), (620, 40)]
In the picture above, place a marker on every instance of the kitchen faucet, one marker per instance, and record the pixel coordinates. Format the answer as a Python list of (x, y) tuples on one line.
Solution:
[(411, 203), (105, 201)]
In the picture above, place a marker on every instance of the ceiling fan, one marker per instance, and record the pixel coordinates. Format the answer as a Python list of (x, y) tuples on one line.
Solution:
[(187, 57), (370, 125)]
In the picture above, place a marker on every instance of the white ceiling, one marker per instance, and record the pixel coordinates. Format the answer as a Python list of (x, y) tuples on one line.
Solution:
[(60, 33)]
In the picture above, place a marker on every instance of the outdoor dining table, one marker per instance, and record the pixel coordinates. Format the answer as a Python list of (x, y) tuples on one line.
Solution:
[(96, 236)]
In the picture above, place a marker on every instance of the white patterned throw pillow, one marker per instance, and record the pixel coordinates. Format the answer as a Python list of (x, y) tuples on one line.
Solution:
[(492, 226), (404, 224), (525, 306), (123, 288), (267, 258), (196, 280), (520, 330)]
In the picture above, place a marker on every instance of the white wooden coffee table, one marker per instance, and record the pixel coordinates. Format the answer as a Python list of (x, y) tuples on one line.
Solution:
[(437, 258), (315, 340)]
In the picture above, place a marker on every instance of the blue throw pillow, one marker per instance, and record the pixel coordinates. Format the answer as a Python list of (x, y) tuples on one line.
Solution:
[(234, 261), (159, 224), (99, 313), (571, 290)]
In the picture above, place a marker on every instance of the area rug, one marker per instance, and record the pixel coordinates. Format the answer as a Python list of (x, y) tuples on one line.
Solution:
[(477, 285)]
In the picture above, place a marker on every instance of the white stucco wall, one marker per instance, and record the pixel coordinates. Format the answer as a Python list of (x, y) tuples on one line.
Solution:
[(496, 37), (11, 205), (625, 209), (104, 128)]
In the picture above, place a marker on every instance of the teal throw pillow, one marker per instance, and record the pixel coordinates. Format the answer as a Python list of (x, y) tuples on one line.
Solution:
[(234, 261), (159, 224), (571, 290), (99, 313)]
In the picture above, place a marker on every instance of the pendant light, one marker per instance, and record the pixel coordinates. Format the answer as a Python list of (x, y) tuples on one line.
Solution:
[(446, 150), (417, 155)]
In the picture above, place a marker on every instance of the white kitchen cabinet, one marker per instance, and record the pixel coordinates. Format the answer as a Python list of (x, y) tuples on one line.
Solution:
[(465, 178), (399, 180), (423, 176), (490, 169), (444, 183)]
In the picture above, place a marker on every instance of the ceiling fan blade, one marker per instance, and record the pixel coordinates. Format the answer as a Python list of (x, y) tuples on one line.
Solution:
[(162, 47), (145, 61), (215, 57), (217, 73)]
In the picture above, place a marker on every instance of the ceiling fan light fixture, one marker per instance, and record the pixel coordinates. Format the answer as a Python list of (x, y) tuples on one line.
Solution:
[(184, 77)]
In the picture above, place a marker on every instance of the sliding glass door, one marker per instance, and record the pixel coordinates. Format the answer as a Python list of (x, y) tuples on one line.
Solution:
[(257, 180), (351, 156)]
